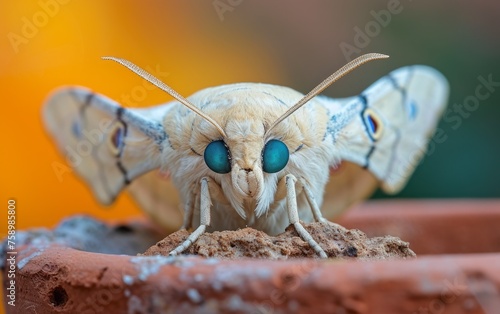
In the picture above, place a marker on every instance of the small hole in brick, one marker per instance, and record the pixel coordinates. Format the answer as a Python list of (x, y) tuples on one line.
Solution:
[(123, 229), (58, 296), (351, 251)]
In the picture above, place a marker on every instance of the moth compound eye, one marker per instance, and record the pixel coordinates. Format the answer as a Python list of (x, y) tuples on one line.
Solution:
[(217, 157), (373, 124), (274, 156)]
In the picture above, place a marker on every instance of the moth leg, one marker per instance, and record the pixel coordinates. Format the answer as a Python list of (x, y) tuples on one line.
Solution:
[(189, 211), (318, 216), (293, 215), (205, 204), (312, 202)]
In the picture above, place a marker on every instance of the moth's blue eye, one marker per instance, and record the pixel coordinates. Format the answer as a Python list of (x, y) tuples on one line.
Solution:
[(217, 157), (274, 156)]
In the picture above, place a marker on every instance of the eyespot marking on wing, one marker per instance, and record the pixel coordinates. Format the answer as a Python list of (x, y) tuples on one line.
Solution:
[(412, 109), (116, 140), (373, 124)]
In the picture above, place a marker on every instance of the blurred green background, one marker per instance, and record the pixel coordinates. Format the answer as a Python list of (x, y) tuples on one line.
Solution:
[(459, 38)]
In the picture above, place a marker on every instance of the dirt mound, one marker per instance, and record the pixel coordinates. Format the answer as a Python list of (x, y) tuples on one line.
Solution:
[(337, 241)]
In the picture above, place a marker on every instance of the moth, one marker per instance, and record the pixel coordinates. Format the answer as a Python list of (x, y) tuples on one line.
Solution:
[(249, 154)]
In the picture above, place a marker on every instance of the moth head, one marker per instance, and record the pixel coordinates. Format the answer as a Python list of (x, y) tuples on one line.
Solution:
[(242, 160)]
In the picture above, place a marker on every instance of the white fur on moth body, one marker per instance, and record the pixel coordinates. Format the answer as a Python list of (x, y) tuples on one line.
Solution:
[(405, 105)]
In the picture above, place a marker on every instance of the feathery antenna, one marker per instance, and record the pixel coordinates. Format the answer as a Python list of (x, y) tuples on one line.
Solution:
[(327, 82), (153, 80)]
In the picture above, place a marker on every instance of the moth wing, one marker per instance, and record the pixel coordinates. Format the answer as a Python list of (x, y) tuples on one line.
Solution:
[(107, 145), (386, 128), (156, 195)]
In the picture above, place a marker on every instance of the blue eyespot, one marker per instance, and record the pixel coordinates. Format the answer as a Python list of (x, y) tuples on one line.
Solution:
[(217, 157), (117, 137), (412, 110), (274, 156), (373, 124)]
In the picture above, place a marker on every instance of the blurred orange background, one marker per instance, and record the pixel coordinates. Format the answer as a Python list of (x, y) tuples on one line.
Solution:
[(66, 49)]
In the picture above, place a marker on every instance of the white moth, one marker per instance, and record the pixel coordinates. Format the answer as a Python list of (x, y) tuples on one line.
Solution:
[(250, 154)]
